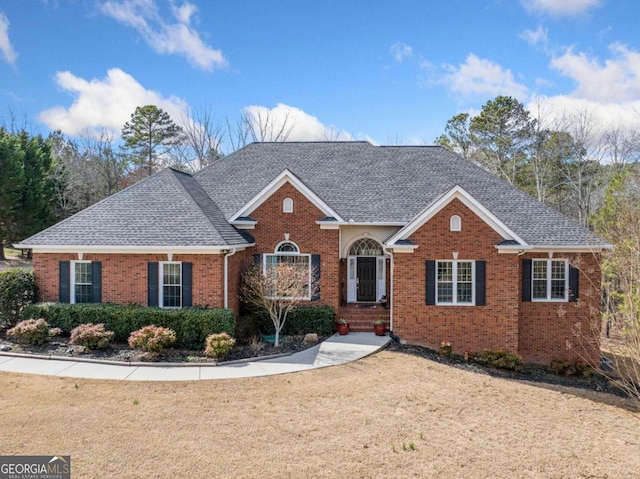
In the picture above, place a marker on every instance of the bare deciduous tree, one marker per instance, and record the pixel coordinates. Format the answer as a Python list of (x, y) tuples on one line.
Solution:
[(202, 139), (262, 125), (619, 222), (278, 292)]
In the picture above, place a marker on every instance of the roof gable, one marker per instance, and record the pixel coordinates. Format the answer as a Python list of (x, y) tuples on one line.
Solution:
[(285, 177), (466, 199)]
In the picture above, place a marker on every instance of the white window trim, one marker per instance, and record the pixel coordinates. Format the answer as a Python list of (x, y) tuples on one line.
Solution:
[(161, 285), (288, 253), (287, 205), (549, 299), (72, 293), (455, 282)]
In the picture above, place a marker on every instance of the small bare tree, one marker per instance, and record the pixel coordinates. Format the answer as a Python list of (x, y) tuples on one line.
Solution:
[(278, 292), (619, 222)]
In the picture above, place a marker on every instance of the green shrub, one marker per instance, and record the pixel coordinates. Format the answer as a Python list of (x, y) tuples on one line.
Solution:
[(30, 331), (91, 336), (152, 339), (17, 290), (570, 367), (445, 349), (497, 359), (217, 346), (303, 320), (192, 325)]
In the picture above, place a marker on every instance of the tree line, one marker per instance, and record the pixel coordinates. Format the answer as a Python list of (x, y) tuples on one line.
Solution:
[(46, 179), (563, 160)]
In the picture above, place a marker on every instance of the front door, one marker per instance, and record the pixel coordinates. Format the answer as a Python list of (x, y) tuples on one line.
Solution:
[(366, 279)]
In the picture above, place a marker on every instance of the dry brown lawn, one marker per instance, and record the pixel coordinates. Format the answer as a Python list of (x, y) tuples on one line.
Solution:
[(390, 415)]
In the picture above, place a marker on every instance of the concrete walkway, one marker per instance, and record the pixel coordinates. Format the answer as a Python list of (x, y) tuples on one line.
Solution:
[(333, 351)]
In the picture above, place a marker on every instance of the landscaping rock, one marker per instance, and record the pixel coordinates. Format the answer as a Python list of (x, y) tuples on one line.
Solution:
[(310, 338), (5, 347)]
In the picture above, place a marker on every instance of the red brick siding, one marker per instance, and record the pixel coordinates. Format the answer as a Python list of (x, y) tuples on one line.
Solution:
[(237, 265), (303, 230), (124, 276), (467, 328), (564, 330)]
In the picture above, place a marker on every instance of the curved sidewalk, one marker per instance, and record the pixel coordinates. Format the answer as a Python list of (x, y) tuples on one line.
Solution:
[(333, 351)]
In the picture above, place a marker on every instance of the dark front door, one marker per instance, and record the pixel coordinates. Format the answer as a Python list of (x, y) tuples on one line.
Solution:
[(366, 279)]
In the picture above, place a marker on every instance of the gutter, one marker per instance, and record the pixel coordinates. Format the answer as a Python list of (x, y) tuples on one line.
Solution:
[(226, 276)]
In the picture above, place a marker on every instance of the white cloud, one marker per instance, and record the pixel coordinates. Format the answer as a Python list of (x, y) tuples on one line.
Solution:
[(300, 125), (561, 111), (482, 77), (400, 51), (617, 80), (536, 37), (8, 53), (104, 103), (560, 7), (166, 37)]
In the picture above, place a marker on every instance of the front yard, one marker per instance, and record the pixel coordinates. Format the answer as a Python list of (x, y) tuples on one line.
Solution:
[(389, 415)]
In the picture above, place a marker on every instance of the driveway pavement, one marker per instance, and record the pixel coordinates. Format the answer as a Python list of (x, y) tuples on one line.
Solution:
[(331, 352)]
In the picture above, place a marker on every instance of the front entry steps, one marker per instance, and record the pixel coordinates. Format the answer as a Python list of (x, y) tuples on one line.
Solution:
[(361, 316)]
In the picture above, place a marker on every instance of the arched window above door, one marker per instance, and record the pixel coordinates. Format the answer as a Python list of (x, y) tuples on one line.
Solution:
[(366, 247)]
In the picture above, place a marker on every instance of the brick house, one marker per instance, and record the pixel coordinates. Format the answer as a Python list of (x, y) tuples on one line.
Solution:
[(433, 244)]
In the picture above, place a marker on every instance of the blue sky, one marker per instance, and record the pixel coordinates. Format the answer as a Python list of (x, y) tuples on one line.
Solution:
[(384, 71)]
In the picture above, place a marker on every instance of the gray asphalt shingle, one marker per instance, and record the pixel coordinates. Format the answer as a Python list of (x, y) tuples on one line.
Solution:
[(368, 183), (359, 181), (167, 209)]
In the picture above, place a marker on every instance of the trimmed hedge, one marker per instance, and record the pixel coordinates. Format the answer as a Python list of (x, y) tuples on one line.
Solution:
[(192, 325), (17, 290), (303, 320)]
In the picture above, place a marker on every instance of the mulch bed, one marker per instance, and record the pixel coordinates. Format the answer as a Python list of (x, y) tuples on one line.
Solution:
[(533, 373), (60, 346)]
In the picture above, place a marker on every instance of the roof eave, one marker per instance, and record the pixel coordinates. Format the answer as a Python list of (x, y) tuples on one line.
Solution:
[(520, 249), (132, 249)]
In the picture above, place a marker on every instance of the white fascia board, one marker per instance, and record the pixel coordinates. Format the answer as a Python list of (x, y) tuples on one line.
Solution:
[(132, 249), (403, 248), (466, 199), (551, 249), (285, 177), (244, 225), (328, 225), (375, 223)]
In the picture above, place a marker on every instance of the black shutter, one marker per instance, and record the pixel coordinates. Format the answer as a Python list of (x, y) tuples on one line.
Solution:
[(96, 281), (430, 282), (187, 290), (526, 280), (481, 299), (574, 284), (257, 261), (64, 286), (152, 284), (315, 280)]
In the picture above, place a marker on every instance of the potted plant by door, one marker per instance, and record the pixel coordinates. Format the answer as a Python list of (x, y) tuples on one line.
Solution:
[(378, 327), (342, 326)]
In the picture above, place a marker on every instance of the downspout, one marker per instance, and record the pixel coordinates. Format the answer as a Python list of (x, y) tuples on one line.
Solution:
[(226, 277), (390, 301)]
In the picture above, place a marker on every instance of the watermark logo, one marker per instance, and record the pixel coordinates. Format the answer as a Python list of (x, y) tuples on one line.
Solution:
[(35, 467)]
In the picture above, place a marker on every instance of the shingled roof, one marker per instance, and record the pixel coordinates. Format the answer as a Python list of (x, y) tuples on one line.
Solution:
[(167, 209), (385, 184), (361, 182)]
